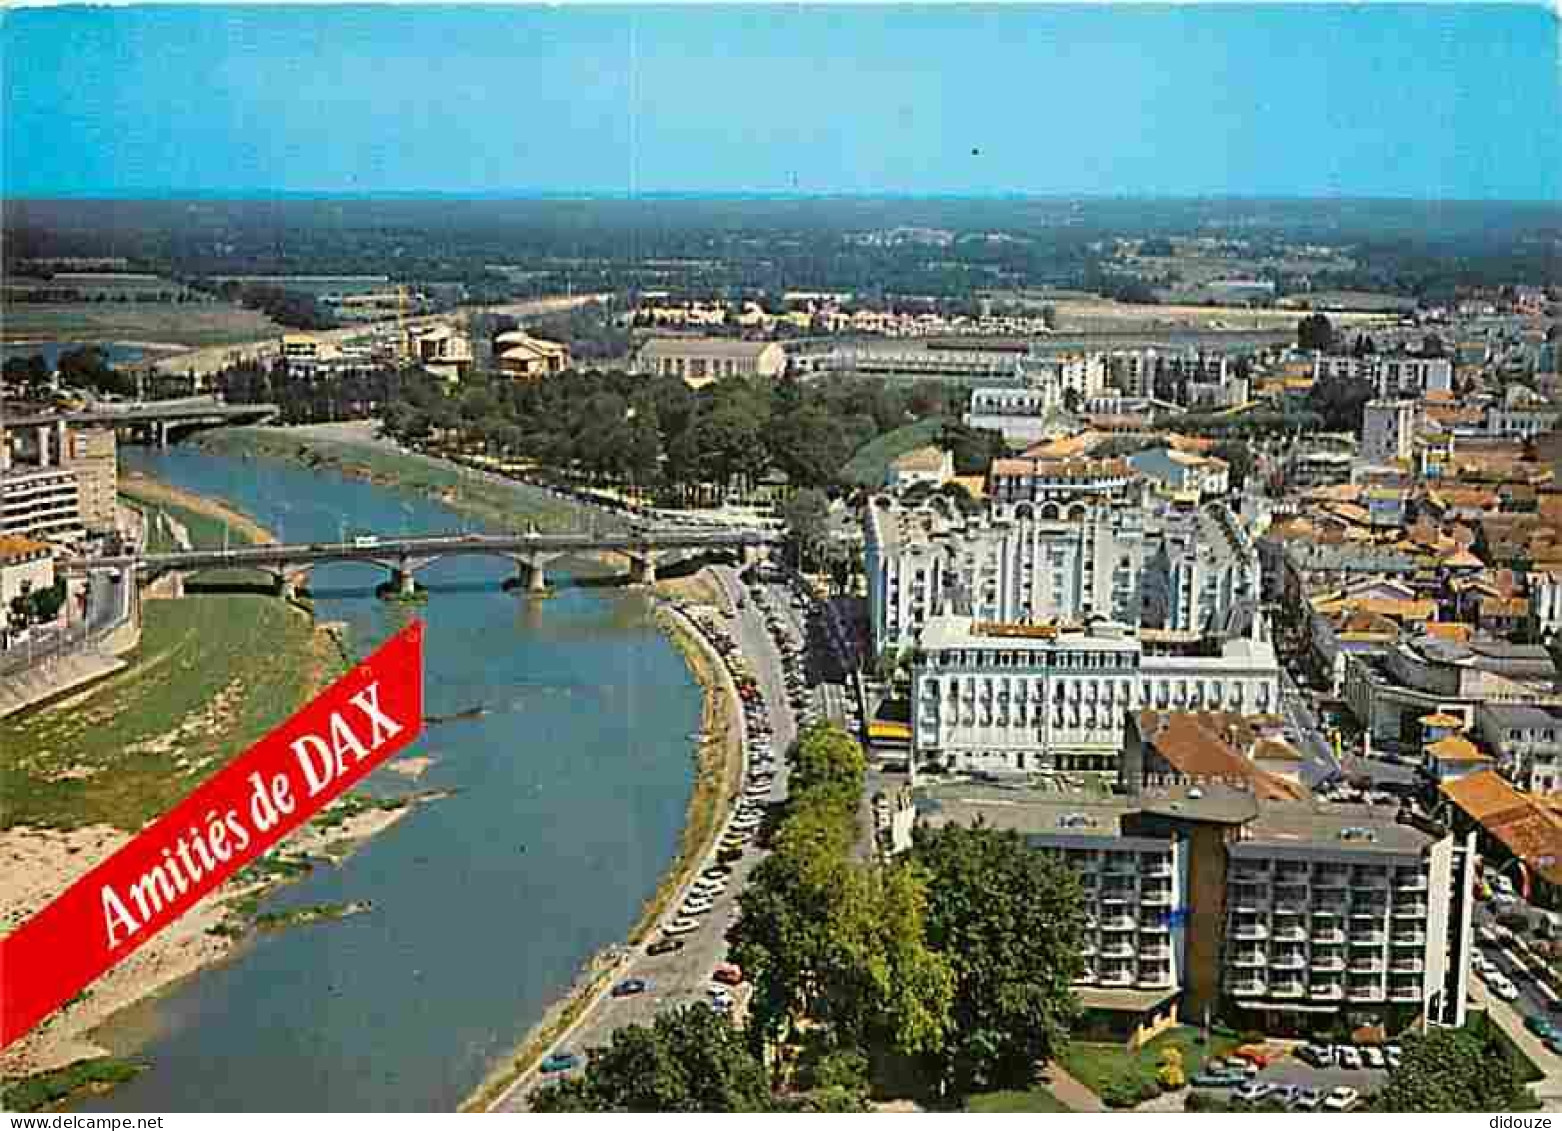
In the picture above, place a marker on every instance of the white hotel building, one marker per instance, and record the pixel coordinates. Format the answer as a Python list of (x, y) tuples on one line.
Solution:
[(1007, 698), (1391, 377)]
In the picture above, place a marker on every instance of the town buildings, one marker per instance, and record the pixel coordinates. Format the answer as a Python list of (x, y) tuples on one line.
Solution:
[(1219, 896), (519, 354), (700, 361), (58, 483), (1387, 432), (1392, 377), (1011, 698)]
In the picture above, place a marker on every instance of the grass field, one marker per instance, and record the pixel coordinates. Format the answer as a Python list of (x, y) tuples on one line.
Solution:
[(871, 461), (1036, 1099), (506, 505), (212, 674), (191, 324), (1099, 1066)]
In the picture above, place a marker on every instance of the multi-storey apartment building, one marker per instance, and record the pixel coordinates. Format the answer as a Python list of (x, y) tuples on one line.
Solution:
[(1391, 377), (1203, 576), (1202, 899), (40, 502), (1137, 373), (1006, 698), (1019, 569), (1337, 906), (1387, 429)]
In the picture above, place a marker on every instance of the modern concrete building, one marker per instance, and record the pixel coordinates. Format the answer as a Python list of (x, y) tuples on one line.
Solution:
[(91, 454), (1204, 576), (1387, 429), (700, 361), (1006, 698), (443, 351), (1527, 742), (1391, 377), (41, 502), (1017, 568), (1206, 899)]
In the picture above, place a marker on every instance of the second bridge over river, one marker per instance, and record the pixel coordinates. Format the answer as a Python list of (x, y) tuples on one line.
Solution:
[(404, 556)]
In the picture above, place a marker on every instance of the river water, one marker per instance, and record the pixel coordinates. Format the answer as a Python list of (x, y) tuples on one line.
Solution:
[(570, 795)]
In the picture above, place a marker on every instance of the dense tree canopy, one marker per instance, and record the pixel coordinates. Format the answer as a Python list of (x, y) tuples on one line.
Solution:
[(688, 1060), (1454, 1070), (1315, 332), (1009, 920)]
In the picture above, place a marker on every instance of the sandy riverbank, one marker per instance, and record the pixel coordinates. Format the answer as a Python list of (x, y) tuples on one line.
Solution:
[(145, 488), (37, 864)]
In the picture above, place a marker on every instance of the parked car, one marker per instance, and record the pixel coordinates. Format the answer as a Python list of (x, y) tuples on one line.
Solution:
[(728, 973), (664, 946), (681, 926), (1373, 1057), (630, 986), (1307, 1099), (1342, 1099), (1253, 1091), (1541, 1027), (1217, 1080), (1347, 1057), (560, 1062)]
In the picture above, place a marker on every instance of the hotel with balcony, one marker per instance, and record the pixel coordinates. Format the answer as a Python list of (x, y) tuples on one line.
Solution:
[(1010, 698), (1205, 899), (1324, 914)]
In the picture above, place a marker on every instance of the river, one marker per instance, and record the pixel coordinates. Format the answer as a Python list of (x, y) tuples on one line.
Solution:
[(569, 801)]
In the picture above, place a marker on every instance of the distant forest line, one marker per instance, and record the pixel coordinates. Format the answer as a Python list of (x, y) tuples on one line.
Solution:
[(500, 249)]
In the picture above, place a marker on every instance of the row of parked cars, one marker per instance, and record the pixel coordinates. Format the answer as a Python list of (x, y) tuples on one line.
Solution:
[(1379, 1057), (1496, 981), (1297, 1098)]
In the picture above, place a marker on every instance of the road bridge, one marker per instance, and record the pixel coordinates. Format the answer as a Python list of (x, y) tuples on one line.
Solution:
[(157, 418), (405, 556)]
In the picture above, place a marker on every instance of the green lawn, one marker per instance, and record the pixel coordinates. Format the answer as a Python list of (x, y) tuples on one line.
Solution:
[(191, 324), (213, 673), (871, 461), (1037, 1099), (1098, 1066)]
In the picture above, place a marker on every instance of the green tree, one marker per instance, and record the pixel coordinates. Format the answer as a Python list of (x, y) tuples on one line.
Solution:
[(806, 515), (1454, 1070), (1239, 458), (689, 1060), (1315, 332), (1010, 921)]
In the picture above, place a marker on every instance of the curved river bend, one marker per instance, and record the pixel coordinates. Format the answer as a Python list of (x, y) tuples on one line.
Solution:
[(570, 797)]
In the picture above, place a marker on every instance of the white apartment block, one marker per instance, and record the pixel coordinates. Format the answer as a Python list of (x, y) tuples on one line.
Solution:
[(1204, 898), (1022, 413), (1203, 577), (1387, 429), (1135, 372), (1016, 698), (1323, 910), (1014, 569), (1061, 488), (41, 502), (1391, 377)]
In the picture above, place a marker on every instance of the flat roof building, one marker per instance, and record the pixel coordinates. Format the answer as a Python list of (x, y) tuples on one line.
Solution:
[(700, 361)]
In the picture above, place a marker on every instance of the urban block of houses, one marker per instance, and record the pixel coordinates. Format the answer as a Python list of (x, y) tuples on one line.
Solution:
[(1184, 476), (519, 354)]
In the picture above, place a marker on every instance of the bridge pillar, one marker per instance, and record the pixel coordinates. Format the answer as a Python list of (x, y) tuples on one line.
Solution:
[(751, 554), (287, 587), (160, 433), (642, 569), (406, 583)]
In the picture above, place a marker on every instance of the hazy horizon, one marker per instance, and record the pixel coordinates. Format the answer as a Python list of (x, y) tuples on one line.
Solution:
[(1241, 102)]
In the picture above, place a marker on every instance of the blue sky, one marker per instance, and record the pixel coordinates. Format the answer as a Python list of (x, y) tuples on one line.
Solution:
[(1437, 102)]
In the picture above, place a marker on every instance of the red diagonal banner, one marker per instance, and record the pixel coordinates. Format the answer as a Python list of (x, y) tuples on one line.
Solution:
[(276, 785)]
